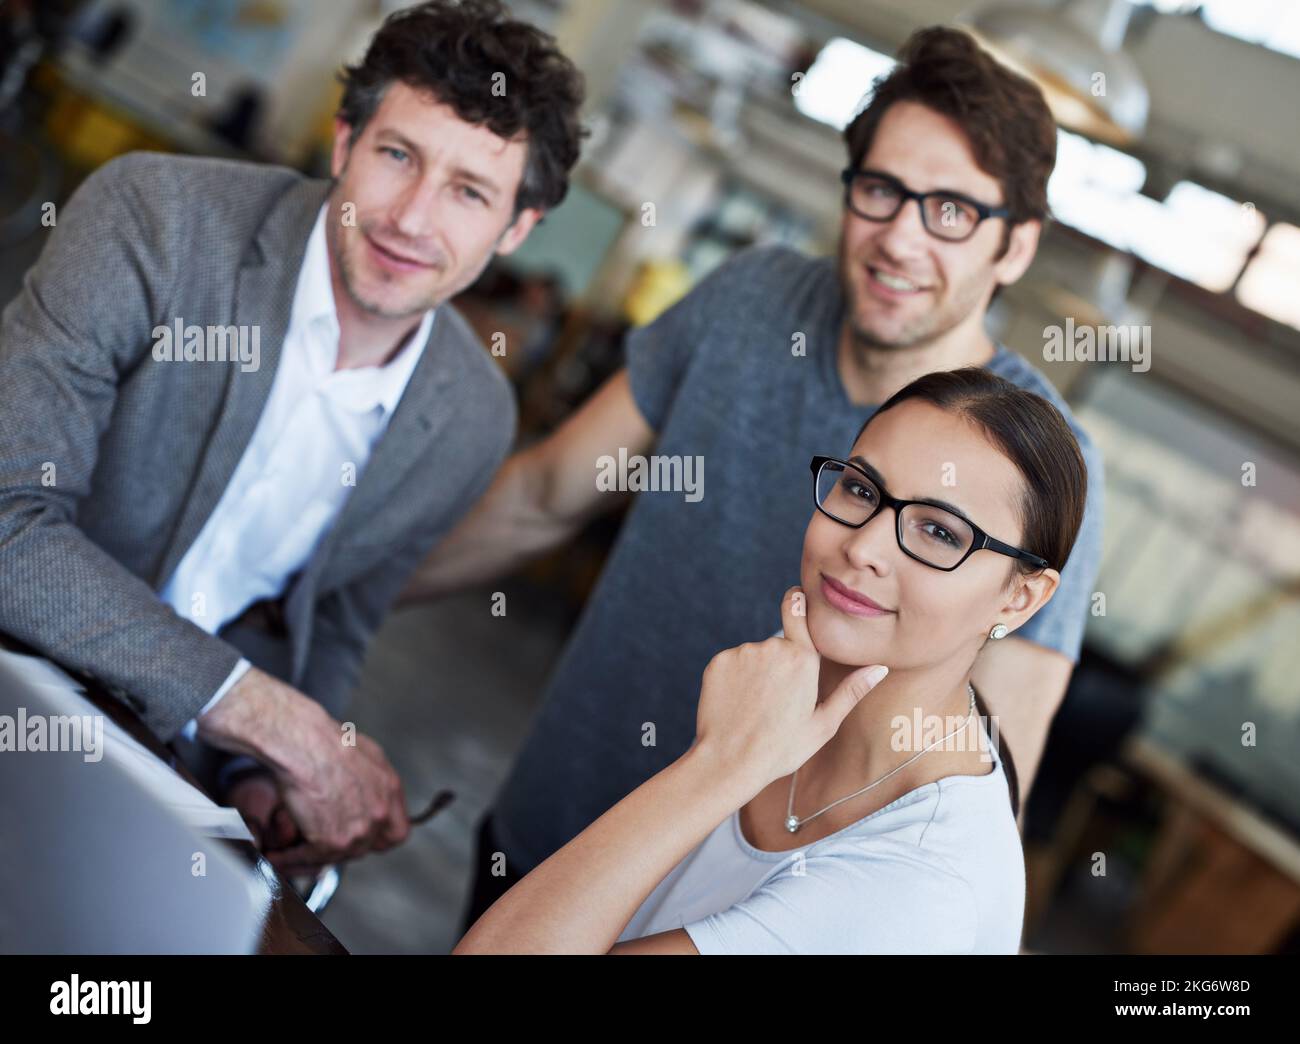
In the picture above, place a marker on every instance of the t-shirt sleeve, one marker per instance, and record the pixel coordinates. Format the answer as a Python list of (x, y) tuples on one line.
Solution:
[(1060, 624), (878, 900), (659, 353)]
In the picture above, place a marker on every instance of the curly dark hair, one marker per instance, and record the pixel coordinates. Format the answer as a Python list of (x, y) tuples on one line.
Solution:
[(454, 51), (1004, 115)]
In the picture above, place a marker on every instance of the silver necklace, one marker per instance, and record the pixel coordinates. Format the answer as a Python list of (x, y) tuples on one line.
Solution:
[(793, 822)]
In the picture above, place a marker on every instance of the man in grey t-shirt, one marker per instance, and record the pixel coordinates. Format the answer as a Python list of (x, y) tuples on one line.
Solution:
[(773, 358)]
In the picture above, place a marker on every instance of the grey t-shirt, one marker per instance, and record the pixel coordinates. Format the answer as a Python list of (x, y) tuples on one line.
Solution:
[(716, 377)]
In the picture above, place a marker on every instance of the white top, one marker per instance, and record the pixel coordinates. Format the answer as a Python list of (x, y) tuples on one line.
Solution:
[(311, 444), (939, 870)]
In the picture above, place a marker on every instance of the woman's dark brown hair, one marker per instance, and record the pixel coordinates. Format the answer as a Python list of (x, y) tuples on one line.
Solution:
[(1004, 116), (506, 75), (1036, 438), (1033, 435)]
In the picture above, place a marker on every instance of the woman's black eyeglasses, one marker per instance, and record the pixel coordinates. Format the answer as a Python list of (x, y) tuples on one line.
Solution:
[(933, 535), (950, 216)]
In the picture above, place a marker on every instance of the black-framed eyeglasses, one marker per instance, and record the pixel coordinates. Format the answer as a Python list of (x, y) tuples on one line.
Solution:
[(933, 535), (877, 196)]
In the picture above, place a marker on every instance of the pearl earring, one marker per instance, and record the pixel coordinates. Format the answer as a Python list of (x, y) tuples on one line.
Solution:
[(999, 631)]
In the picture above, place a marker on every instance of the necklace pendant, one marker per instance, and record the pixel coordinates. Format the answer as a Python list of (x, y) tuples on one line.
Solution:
[(792, 823)]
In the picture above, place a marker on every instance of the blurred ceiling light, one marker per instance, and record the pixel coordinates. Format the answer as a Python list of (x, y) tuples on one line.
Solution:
[(1196, 234), (1091, 186), (1274, 24), (1074, 53), (1269, 282), (838, 80)]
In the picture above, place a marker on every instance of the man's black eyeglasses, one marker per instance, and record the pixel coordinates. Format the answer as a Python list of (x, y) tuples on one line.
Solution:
[(933, 535), (950, 216)]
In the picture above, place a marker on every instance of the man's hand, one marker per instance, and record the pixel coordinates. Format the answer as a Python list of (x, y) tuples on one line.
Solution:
[(258, 799), (346, 800)]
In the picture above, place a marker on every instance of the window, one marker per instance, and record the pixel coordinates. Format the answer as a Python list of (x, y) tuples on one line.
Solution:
[(1269, 283), (1092, 187), (1196, 234), (1274, 24), (838, 80)]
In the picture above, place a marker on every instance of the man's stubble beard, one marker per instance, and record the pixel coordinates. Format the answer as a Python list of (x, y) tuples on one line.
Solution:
[(923, 330), (348, 274), (349, 277)]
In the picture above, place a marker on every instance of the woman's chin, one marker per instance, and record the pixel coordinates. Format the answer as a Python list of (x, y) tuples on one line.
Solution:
[(837, 640)]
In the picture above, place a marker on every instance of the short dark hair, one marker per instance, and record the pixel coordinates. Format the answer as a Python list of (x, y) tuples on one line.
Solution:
[(1034, 436), (453, 51), (1004, 115)]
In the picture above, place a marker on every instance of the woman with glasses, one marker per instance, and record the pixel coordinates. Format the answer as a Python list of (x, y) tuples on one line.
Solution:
[(845, 792)]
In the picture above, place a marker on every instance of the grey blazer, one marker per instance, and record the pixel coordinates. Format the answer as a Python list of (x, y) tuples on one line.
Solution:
[(111, 461)]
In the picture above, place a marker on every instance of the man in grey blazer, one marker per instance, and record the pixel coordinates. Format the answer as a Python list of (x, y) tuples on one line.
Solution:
[(236, 408)]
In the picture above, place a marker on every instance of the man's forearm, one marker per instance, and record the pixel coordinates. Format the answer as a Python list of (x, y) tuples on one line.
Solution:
[(509, 526), (70, 600), (65, 341), (1023, 684), (541, 497), (258, 717)]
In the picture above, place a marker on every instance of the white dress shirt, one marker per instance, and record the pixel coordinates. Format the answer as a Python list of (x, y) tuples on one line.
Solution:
[(307, 452)]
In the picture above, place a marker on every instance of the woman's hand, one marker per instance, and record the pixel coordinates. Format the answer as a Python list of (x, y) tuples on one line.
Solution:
[(758, 712)]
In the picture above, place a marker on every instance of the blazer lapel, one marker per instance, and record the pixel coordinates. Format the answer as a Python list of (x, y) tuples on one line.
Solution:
[(414, 427), (263, 297)]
